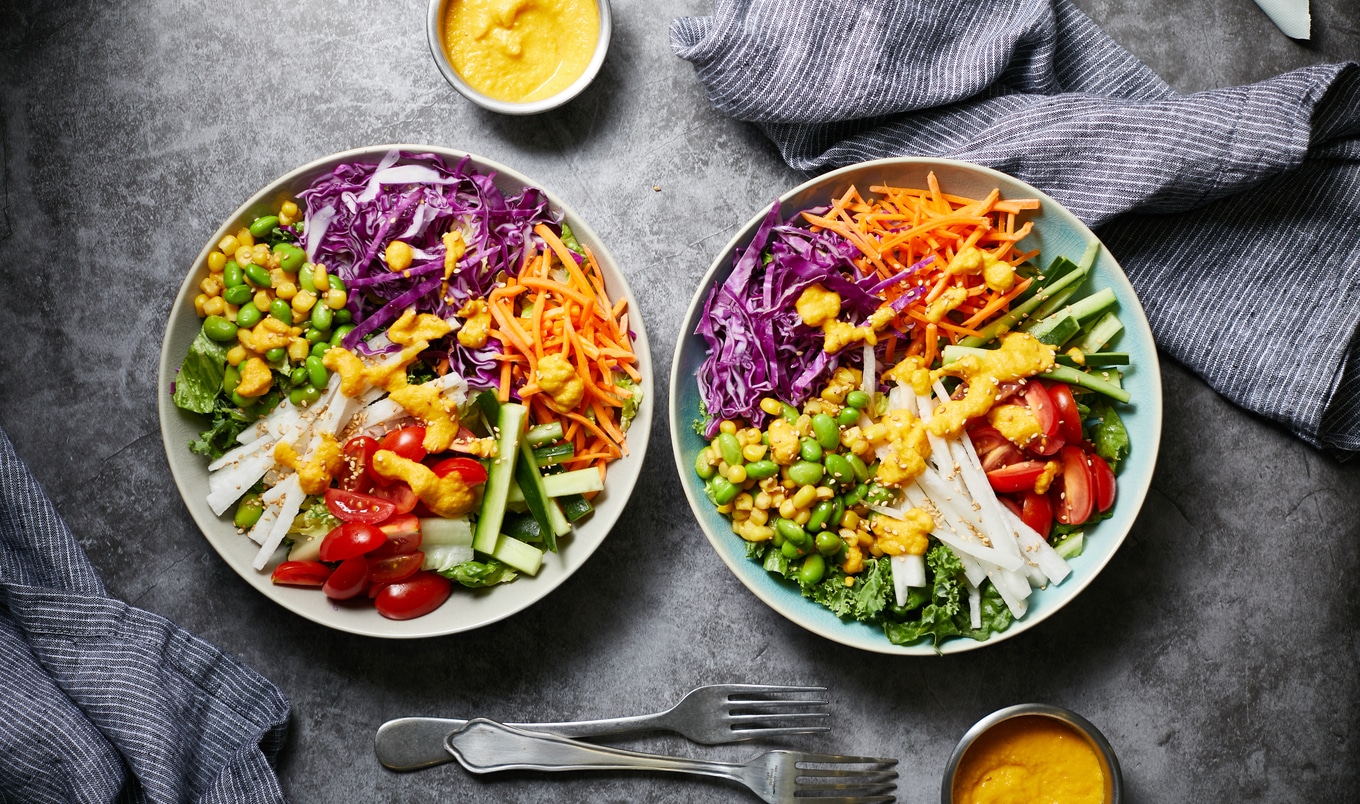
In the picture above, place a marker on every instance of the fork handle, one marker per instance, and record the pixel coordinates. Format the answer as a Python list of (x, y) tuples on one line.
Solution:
[(413, 743), (484, 746)]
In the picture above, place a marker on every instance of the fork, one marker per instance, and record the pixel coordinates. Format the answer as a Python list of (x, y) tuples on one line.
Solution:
[(778, 777), (720, 713)]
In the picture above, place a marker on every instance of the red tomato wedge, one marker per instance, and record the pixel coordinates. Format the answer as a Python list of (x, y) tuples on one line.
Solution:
[(349, 540), (1041, 405), (1069, 418), (399, 494), (416, 596), (301, 573), (1037, 512), (1102, 482), (471, 471), (394, 568), (1074, 503), (408, 442), (403, 536), (1011, 504), (1016, 477), (355, 506), (348, 580), (358, 454)]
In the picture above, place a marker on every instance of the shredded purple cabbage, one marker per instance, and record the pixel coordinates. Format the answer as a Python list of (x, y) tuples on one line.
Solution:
[(356, 210), (758, 345)]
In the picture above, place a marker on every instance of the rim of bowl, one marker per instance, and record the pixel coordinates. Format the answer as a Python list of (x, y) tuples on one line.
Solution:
[(1084, 727), (420, 627), (434, 28), (678, 418)]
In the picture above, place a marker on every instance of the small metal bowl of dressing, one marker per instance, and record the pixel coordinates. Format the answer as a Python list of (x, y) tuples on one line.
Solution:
[(516, 58), (1032, 749)]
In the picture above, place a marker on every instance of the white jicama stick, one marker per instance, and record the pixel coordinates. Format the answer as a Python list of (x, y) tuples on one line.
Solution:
[(907, 570), (974, 605), (244, 451), (226, 485), (1037, 550), (1007, 584), (978, 550), (290, 497), (869, 375)]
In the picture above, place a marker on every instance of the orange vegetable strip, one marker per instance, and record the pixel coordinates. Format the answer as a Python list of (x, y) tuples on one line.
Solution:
[(503, 392), (564, 255), (1014, 205), (995, 305)]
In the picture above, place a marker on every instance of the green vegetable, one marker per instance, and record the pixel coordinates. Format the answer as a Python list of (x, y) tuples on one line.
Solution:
[(847, 417), (291, 258), (574, 506), (258, 275), (806, 473), (232, 276), (810, 450), (248, 316), (721, 490), (857, 399), (479, 574), (238, 294), (200, 375), (228, 421), (321, 316), (316, 371), (281, 310), (630, 404), (509, 423), (524, 557), (248, 511), (553, 454), (840, 470), (1108, 434), (544, 434), (730, 449), (706, 470), (759, 470), (814, 567)]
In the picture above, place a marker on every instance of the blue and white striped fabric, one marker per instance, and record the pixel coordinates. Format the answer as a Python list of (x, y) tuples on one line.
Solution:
[(104, 702), (1235, 212)]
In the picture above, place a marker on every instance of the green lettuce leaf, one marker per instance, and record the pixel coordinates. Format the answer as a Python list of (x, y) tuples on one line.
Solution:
[(477, 574), (200, 375), (631, 404), (1108, 434)]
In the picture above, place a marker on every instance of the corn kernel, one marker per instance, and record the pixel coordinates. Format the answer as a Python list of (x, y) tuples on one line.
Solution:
[(763, 500), (244, 256), (298, 350), (727, 426), (304, 301), (709, 456), (825, 493), (216, 261), (229, 244), (236, 355), (802, 517), (319, 278), (803, 425), (850, 520), (215, 305), (244, 237), (290, 209), (199, 301), (754, 452), (736, 474), (725, 509), (278, 276), (398, 256), (300, 315), (743, 502), (804, 496), (262, 300), (211, 285), (335, 299), (295, 331), (723, 467), (739, 515), (787, 509), (260, 253), (759, 516), (285, 290), (231, 311)]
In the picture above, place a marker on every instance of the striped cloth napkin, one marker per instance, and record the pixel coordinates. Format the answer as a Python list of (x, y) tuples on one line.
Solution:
[(1235, 212), (104, 702)]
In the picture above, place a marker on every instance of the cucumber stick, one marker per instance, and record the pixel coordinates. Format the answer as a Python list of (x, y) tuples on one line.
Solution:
[(510, 421), (581, 481), (516, 554)]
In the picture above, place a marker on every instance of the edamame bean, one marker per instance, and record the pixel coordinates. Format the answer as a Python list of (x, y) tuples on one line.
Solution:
[(858, 465), (240, 401), (814, 567), (237, 294), (281, 310), (336, 282), (821, 512), (304, 395), (827, 431), (340, 333), (232, 275), (316, 372), (721, 490), (810, 450), (848, 417), (298, 375), (858, 399), (315, 336), (219, 328), (706, 470), (320, 349), (268, 402), (788, 412), (263, 225), (291, 258), (248, 511), (878, 495), (230, 379), (343, 316), (760, 470), (321, 316), (275, 355), (792, 531), (258, 275), (855, 496), (248, 316), (837, 513), (839, 469), (790, 550), (828, 543), (305, 280), (730, 449), (806, 473)]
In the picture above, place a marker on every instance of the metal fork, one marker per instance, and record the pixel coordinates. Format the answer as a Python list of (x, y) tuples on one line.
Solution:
[(720, 713), (779, 777)]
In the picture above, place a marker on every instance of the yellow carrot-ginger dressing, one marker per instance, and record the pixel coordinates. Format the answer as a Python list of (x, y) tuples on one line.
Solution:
[(1030, 759), (521, 50)]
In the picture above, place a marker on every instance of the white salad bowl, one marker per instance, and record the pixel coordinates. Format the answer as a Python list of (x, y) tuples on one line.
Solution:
[(1056, 232), (466, 609)]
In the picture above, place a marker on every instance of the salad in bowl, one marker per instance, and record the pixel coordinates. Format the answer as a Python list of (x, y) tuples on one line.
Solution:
[(404, 372)]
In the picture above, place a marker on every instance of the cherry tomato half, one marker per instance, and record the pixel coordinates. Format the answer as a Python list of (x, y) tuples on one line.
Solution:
[(418, 595), (1037, 512), (471, 471), (358, 454), (394, 568), (354, 506), (1041, 405), (348, 580), (1074, 503), (349, 540), (1069, 418), (1016, 477), (1102, 482), (399, 494), (403, 536), (408, 442), (301, 573)]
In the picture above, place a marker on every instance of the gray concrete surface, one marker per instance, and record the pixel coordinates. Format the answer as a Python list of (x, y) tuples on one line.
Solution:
[(1218, 652)]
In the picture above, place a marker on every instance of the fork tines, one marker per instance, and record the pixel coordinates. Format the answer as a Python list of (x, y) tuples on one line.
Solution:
[(753, 707), (829, 779)]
